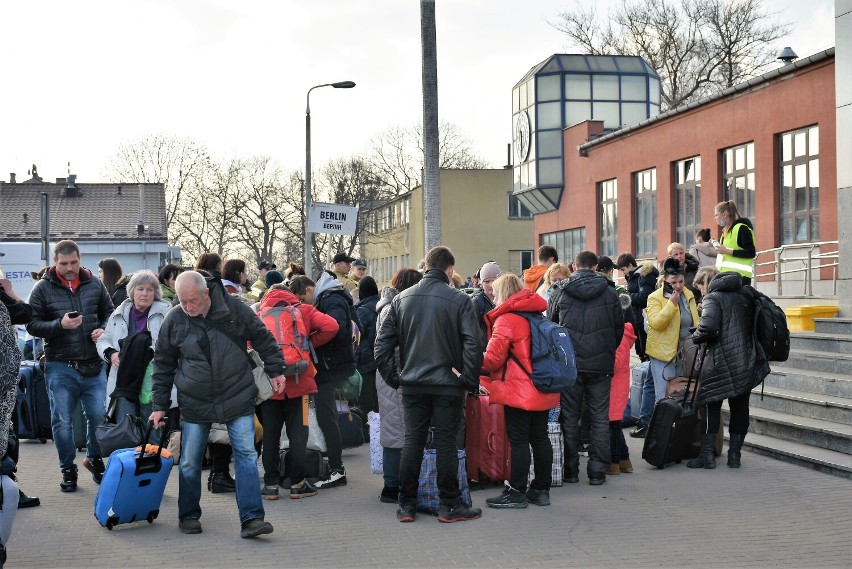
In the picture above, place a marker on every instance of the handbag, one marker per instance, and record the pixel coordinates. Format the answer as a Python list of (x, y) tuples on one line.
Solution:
[(316, 440), (261, 378), (114, 435), (350, 388)]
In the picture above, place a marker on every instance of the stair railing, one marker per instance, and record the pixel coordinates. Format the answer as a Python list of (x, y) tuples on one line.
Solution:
[(780, 264)]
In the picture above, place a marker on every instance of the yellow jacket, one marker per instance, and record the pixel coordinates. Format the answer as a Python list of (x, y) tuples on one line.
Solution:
[(664, 324)]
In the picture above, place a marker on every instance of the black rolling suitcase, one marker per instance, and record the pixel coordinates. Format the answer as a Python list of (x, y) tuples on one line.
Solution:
[(674, 425), (32, 409)]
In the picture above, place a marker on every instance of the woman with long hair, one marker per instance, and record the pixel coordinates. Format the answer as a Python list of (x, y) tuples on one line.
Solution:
[(736, 251)]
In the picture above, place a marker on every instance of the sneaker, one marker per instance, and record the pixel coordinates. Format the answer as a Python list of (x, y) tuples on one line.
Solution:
[(572, 478), (406, 513), (221, 483), (95, 465), (597, 481), (639, 432), (69, 479), (189, 526), (335, 478), (25, 501), (269, 492), (457, 513), (255, 527), (538, 497), (510, 498), (303, 489), (389, 495)]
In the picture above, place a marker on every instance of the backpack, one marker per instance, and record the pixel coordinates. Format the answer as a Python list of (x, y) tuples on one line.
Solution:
[(553, 367), (770, 328), (287, 326)]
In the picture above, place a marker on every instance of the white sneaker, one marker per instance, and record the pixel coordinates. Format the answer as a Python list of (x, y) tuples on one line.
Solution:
[(335, 478)]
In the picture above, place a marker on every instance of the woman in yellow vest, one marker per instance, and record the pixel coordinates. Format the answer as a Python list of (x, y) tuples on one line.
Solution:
[(735, 251)]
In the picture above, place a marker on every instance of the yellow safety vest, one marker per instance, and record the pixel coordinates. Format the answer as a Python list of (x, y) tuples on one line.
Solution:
[(731, 264)]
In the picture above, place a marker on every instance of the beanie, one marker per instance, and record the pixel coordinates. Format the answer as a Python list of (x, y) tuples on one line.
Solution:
[(273, 277), (489, 270)]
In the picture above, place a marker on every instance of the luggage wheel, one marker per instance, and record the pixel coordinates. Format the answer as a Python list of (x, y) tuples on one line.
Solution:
[(109, 525), (152, 516)]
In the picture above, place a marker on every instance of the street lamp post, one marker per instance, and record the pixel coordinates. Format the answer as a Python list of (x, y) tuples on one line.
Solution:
[(309, 237)]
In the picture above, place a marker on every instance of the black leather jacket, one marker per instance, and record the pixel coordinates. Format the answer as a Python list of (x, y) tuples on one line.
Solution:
[(588, 307), (436, 330), (732, 365), (51, 300)]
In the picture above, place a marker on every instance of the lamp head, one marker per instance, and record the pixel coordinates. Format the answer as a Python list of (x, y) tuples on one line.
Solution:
[(343, 84)]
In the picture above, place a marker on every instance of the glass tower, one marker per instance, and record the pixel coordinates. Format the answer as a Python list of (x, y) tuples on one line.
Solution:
[(564, 90)]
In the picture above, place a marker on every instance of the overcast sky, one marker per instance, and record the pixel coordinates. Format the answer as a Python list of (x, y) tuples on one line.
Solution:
[(82, 77)]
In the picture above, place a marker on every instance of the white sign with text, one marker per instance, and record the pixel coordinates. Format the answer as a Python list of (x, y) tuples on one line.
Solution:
[(332, 218)]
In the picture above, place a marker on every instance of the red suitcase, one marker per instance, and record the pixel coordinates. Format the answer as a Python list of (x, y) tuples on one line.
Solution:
[(488, 452)]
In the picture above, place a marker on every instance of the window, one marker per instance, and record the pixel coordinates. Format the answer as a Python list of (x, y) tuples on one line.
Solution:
[(687, 177), (526, 260), (517, 210), (645, 189), (567, 243), (406, 206), (608, 195), (799, 180), (738, 178)]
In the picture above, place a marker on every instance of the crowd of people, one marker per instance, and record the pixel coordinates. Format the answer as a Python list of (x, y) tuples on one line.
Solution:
[(172, 347)]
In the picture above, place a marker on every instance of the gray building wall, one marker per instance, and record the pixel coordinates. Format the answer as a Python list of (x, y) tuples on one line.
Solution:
[(843, 89)]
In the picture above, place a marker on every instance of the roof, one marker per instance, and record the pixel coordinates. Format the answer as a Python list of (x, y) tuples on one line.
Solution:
[(99, 212), (730, 91), (594, 64)]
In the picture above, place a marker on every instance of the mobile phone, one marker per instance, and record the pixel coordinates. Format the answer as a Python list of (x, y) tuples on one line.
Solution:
[(73, 314), (668, 291)]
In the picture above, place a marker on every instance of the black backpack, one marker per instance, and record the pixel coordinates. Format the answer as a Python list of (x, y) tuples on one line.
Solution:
[(770, 328)]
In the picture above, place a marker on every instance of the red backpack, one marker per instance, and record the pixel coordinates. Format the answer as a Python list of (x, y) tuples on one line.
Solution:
[(287, 326)]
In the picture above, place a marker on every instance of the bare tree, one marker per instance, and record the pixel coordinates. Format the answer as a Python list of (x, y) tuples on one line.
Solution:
[(698, 47), (396, 154)]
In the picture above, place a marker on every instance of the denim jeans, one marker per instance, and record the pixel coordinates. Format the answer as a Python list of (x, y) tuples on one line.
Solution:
[(66, 387), (595, 388), (525, 429), (275, 414), (124, 407), (391, 458), (193, 441), (662, 372), (442, 412)]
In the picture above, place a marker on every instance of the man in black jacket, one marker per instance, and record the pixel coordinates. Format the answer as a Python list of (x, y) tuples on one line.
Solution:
[(70, 309), (435, 327), (641, 281), (588, 307), (201, 349)]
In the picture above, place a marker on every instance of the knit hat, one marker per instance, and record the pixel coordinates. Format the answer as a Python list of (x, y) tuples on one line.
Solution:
[(273, 277), (367, 287), (489, 270)]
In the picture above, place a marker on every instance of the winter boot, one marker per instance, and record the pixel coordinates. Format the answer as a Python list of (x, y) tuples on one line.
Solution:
[(734, 447), (706, 456)]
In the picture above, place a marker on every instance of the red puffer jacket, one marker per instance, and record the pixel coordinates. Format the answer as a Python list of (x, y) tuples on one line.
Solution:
[(320, 327), (619, 391), (510, 333)]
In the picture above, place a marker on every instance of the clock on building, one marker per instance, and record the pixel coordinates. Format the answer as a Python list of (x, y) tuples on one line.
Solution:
[(522, 136)]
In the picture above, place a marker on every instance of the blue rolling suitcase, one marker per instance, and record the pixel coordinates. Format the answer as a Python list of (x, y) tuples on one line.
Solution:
[(33, 405), (133, 484)]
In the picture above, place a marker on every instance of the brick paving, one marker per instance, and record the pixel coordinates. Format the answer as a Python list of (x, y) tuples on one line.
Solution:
[(767, 514)]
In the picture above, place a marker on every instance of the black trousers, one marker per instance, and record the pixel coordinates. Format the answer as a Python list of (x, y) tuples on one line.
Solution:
[(525, 429), (739, 415), (327, 382), (617, 445), (369, 399), (595, 388), (277, 413), (443, 413)]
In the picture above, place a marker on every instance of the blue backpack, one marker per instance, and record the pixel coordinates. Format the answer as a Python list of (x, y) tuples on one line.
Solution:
[(553, 367)]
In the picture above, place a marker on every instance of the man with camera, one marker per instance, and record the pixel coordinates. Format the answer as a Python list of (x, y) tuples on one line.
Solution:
[(70, 309)]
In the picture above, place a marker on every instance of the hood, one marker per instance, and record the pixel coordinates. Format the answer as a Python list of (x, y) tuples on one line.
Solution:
[(705, 249), (276, 296), (387, 295), (325, 282), (533, 275), (522, 301), (744, 221), (648, 268), (725, 282), (584, 284)]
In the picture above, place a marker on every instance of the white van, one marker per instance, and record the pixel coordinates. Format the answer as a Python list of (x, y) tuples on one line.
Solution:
[(16, 262)]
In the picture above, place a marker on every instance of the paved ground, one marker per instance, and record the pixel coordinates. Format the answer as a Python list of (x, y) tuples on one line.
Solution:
[(767, 514)]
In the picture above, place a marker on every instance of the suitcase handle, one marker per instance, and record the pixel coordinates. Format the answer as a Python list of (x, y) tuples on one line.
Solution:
[(700, 357), (149, 463)]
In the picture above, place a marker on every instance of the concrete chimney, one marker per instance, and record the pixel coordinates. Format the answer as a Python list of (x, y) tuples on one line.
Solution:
[(12, 178)]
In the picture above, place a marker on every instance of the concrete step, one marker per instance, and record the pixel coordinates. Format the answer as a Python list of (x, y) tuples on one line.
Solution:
[(823, 460), (803, 404), (817, 433), (831, 362), (818, 382), (833, 326), (817, 342)]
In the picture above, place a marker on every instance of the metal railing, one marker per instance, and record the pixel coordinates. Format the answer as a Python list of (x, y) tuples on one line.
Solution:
[(811, 261)]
